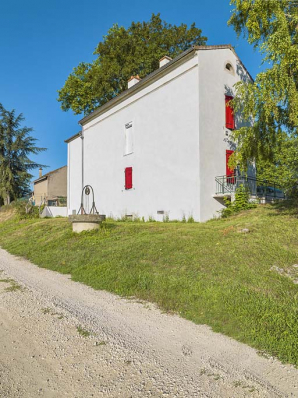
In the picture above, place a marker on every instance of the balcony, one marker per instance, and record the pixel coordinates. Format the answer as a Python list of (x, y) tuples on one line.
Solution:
[(263, 190)]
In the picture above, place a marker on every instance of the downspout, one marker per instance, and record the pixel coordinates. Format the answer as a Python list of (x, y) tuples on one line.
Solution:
[(82, 138), (68, 178)]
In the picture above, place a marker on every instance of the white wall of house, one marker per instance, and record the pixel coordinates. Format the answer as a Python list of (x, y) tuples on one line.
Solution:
[(178, 144)]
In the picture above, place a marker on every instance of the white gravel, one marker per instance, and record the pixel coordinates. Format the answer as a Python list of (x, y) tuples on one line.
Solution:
[(134, 349)]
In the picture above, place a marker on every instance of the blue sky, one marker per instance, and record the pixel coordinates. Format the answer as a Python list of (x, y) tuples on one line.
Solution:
[(42, 41)]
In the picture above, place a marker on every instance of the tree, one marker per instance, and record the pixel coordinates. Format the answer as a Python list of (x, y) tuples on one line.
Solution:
[(271, 101), (123, 53), (16, 144), (282, 167)]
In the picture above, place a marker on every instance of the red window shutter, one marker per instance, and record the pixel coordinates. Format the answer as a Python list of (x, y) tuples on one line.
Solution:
[(229, 172), (128, 178), (230, 121)]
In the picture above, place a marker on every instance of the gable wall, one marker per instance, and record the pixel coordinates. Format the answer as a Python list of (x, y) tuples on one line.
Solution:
[(40, 191), (214, 82), (57, 183)]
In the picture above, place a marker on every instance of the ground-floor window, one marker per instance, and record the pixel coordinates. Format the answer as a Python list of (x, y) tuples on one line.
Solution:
[(128, 178)]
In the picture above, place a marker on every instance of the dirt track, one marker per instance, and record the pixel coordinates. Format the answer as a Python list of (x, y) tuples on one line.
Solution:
[(133, 351)]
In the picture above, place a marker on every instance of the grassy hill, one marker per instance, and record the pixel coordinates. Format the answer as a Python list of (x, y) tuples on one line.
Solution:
[(240, 283)]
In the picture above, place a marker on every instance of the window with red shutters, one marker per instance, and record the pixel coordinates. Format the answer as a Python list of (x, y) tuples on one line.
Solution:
[(230, 173), (128, 178), (230, 121)]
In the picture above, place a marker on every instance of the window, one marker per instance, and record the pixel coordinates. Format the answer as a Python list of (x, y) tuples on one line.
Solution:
[(230, 121), (128, 148), (230, 173), (128, 177), (229, 67)]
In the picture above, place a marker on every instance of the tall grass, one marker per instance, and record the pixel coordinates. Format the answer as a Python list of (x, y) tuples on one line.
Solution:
[(209, 273)]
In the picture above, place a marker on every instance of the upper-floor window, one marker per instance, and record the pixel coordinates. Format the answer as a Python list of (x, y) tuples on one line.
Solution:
[(128, 146), (230, 119), (229, 67)]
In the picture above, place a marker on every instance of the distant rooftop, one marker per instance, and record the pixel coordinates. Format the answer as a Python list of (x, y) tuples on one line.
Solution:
[(45, 176)]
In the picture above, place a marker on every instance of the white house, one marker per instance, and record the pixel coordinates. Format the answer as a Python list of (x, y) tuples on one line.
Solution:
[(155, 150)]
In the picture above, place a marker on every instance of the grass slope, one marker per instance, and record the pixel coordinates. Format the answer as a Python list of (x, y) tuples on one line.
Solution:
[(208, 273)]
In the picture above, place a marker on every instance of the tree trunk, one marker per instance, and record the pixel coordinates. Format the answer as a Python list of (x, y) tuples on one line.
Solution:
[(7, 199)]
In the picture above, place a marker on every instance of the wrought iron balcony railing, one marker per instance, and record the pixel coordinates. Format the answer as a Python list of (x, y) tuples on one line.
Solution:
[(227, 185)]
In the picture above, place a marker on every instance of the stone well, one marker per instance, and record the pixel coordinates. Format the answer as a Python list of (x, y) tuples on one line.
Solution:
[(86, 222)]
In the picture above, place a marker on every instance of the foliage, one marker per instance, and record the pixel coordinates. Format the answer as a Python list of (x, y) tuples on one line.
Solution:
[(123, 53), (22, 209), (207, 272), (272, 99), (83, 332), (25, 210), (283, 168), (16, 144), (240, 203)]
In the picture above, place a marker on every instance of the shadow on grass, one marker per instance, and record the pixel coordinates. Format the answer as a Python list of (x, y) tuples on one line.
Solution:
[(285, 207)]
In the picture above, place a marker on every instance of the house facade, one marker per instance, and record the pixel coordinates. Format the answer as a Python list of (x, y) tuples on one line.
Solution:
[(51, 188), (154, 151)]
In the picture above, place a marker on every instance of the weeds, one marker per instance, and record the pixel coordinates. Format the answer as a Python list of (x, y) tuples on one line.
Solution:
[(49, 311), (100, 343), (83, 332), (14, 286)]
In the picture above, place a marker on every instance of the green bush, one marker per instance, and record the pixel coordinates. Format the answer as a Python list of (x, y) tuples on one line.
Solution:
[(24, 209), (240, 203)]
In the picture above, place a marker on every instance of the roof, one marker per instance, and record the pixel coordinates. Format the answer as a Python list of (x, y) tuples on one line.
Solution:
[(45, 176), (148, 78), (73, 137)]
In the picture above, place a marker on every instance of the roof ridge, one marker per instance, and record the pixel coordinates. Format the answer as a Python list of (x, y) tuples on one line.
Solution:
[(50, 172)]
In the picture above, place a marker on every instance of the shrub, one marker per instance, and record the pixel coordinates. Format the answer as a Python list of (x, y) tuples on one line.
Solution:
[(24, 209), (240, 203)]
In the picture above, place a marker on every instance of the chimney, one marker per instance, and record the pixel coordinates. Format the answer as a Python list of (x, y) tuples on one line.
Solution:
[(133, 80), (164, 61), (40, 172)]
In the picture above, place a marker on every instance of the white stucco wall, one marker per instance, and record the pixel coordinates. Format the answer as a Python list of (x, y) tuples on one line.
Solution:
[(215, 81), (165, 156), (54, 211)]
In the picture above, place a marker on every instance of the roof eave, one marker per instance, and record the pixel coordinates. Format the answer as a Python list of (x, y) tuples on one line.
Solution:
[(40, 179), (135, 87), (138, 86), (73, 137)]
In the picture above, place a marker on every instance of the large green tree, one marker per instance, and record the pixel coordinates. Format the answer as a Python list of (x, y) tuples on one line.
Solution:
[(271, 26), (282, 166), (16, 144), (123, 53)]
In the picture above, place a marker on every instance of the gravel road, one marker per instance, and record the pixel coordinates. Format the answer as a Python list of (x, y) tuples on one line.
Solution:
[(133, 349)]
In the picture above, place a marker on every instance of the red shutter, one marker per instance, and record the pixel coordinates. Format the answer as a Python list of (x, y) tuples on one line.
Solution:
[(230, 121), (229, 172), (128, 178)]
